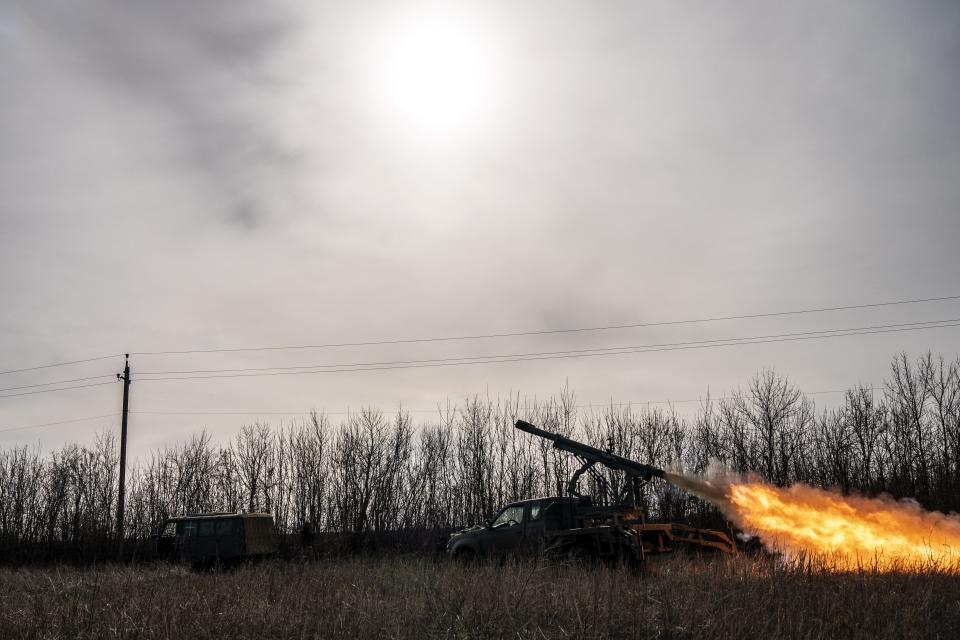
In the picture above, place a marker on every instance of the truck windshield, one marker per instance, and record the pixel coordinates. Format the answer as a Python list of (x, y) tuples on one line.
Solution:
[(509, 517)]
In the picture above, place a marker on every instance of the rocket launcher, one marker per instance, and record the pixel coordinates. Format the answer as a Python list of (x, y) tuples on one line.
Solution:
[(655, 538), (590, 456)]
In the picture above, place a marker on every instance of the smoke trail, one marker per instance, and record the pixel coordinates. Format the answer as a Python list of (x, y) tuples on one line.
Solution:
[(712, 491)]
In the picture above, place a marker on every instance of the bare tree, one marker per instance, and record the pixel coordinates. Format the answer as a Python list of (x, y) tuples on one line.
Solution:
[(373, 477), (775, 409), (252, 449)]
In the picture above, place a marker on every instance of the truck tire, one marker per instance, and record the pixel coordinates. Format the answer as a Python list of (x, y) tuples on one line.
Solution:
[(579, 554)]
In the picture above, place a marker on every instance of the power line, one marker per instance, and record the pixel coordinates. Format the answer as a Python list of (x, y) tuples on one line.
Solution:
[(50, 424), (551, 355), (47, 384), (61, 364), (235, 413), (397, 362), (712, 398), (286, 412), (551, 331), (30, 393), (771, 314), (535, 353), (591, 405)]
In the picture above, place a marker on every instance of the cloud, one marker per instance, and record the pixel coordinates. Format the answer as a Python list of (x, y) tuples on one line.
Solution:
[(192, 74), (178, 175)]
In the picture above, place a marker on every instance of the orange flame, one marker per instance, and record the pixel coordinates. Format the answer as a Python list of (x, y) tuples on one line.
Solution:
[(844, 532)]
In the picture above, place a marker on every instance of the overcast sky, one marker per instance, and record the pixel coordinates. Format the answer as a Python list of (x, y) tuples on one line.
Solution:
[(197, 175)]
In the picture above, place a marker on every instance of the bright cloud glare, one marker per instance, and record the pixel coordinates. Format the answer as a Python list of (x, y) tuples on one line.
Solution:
[(434, 77)]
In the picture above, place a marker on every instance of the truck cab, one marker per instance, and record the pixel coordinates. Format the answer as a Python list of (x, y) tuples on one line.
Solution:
[(519, 526)]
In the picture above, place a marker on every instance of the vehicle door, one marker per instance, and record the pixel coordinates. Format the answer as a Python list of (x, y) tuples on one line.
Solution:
[(167, 541), (505, 533), (533, 526), (187, 540), (206, 539), (229, 538)]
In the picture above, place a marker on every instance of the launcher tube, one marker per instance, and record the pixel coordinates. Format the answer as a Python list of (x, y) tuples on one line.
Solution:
[(610, 460)]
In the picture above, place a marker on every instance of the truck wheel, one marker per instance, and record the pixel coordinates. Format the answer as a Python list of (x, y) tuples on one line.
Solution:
[(629, 560), (579, 555)]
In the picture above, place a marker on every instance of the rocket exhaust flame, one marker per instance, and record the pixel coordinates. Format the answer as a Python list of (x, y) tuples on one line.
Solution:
[(841, 532)]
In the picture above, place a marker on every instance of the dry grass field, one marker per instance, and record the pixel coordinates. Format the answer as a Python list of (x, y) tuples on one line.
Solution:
[(412, 597)]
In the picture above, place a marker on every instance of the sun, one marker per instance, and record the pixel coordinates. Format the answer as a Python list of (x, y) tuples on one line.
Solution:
[(434, 76)]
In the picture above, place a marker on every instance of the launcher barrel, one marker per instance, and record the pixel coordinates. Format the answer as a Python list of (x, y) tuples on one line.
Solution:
[(611, 460)]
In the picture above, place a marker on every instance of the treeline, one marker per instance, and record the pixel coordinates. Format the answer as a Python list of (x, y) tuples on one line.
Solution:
[(375, 474)]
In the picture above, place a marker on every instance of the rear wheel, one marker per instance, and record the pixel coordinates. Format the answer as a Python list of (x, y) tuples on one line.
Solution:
[(579, 554), (629, 558)]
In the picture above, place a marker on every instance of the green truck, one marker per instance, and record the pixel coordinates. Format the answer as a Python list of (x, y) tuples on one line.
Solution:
[(203, 540)]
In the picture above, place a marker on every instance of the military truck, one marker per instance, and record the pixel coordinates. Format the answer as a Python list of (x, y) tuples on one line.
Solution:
[(574, 527), (207, 539), (518, 527)]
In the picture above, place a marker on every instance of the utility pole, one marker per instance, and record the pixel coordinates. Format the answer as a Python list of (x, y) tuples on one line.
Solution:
[(123, 453)]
